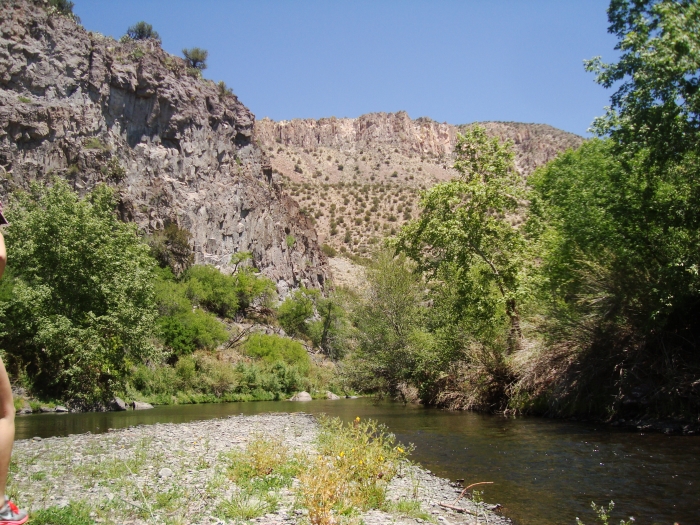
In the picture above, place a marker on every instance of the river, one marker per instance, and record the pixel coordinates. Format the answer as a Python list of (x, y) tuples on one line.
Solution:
[(545, 472)]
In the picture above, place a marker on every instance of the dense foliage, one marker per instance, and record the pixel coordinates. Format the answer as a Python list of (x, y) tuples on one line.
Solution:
[(79, 302)]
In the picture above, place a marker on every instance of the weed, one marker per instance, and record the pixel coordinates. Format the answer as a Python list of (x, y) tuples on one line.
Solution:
[(72, 514), (410, 508), (603, 514), (24, 100), (355, 463), (264, 465), (246, 506)]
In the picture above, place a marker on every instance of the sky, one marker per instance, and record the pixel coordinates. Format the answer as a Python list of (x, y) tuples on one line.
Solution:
[(455, 61)]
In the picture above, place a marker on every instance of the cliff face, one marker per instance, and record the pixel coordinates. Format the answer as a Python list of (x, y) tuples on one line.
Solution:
[(360, 178), (178, 148), (534, 144)]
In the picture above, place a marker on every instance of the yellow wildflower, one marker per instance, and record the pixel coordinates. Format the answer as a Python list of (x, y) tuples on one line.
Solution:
[(342, 454), (400, 450)]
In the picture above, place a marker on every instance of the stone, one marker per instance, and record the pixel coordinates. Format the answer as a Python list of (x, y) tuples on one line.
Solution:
[(24, 410), (61, 409), (46, 410), (138, 405), (331, 395), (118, 404), (301, 396), (165, 473)]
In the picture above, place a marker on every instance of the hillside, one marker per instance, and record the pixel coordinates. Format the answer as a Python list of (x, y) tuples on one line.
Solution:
[(178, 149), (359, 179)]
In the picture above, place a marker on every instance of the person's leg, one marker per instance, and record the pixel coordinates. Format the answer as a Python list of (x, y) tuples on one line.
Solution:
[(9, 513), (7, 427)]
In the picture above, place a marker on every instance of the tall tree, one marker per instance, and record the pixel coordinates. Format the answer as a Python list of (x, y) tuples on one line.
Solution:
[(469, 224)]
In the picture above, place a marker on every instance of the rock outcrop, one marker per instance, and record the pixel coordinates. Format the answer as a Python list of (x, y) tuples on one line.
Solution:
[(178, 148)]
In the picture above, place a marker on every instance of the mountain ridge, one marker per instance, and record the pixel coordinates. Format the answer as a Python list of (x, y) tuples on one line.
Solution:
[(360, 178)]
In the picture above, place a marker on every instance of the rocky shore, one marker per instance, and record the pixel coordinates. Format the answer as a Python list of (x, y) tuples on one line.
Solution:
[(176, 473)]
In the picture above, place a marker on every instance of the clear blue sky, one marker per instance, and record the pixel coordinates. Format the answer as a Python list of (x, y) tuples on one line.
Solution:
[(458, 61)]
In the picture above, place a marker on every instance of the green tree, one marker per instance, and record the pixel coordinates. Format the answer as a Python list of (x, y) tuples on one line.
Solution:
[(196, 57), (657, 102), (468, 224), (81, 306), (142, 31), (389, 321)]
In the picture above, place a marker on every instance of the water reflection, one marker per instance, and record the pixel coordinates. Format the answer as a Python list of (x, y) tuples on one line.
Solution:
[(545, 472)]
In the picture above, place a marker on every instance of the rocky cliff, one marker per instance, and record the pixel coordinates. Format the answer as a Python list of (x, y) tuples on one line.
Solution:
[(178, 148), (359, 178)]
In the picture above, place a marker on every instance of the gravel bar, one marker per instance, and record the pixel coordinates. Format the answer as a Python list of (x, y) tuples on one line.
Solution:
[(173, 474)]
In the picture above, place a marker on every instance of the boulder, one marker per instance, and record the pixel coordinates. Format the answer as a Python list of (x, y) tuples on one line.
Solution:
[(61, 409), (118, 404), (301, 396), (46, 410), (137, 405), (331, 395), (24, 410)]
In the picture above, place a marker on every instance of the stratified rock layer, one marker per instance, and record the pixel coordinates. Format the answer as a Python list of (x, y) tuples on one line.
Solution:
[(179, 149)]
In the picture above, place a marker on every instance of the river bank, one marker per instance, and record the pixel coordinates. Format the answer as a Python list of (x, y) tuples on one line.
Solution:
[(177, 473)]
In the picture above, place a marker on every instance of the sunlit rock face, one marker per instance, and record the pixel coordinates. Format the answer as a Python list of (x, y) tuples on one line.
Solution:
[(84, 107)]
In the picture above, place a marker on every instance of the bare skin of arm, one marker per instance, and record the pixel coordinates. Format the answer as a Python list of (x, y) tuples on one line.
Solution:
[(7, 407)]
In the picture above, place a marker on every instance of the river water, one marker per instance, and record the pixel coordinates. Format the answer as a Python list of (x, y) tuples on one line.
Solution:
[(545, 472)]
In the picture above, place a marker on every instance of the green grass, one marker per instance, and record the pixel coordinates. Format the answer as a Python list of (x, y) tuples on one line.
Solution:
[(72, 514), (409, 508)]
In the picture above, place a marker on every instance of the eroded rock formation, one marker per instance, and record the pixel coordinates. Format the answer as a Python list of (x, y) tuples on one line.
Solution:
[(179, 149)]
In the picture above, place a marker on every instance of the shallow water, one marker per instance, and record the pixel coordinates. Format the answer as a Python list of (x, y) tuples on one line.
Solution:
[(545, 472)]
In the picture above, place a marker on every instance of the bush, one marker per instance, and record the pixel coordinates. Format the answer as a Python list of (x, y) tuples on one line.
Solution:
[(273, 348), (185, 332), (81, 301), (208, 287), (171, 248), (196, 58), (296, 309), (142, 31), (329, 250)]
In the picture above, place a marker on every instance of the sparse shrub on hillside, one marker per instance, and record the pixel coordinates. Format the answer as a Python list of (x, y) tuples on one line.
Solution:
[(196, 57), (65, 8), (142, 31), (225, 91), (329, 250), (171, 248), (95, 143)]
